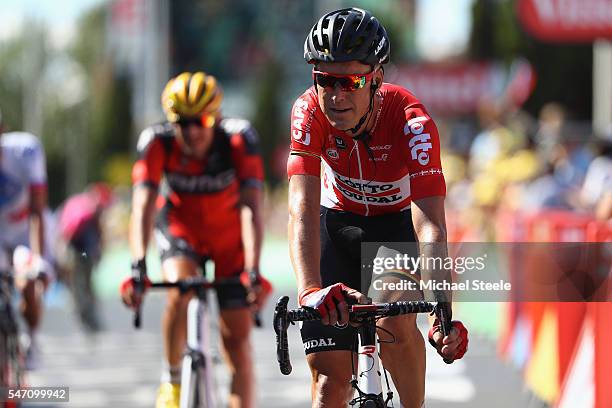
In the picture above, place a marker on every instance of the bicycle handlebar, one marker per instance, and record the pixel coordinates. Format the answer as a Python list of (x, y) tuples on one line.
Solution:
[(185, 285), (283, 317)]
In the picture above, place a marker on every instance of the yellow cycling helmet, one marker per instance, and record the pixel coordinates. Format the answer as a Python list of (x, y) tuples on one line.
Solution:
[(190, 95)]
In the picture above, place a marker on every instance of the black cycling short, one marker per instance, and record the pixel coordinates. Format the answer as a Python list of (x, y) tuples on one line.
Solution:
[(231, 296), (341, 236)]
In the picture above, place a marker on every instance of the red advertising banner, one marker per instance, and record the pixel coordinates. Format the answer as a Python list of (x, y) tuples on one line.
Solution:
[(566, 20), (458, 88)]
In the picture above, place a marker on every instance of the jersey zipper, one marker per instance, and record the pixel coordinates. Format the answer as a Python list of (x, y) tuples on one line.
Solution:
[(365, 198)]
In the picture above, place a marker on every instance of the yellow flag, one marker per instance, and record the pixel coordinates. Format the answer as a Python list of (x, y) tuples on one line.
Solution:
[(542, 372)]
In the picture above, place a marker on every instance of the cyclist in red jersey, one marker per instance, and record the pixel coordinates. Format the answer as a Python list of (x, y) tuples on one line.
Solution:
[(213, 177), (364, 166)]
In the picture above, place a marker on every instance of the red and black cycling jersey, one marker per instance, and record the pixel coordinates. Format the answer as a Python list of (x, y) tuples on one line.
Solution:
[(233, 159), (200, 204), (400, 163), (199, 207)]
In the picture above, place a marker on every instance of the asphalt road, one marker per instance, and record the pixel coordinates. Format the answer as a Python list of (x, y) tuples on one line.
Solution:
[(120, 367)]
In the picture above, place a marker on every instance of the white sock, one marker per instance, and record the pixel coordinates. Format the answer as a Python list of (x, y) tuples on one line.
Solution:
[(171, 374)]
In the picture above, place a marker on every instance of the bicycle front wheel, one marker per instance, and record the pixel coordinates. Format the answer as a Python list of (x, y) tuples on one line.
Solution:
[(11, 369), (196, 389)]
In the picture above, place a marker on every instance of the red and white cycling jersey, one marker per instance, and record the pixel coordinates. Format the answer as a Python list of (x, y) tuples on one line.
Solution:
[(403, 163)]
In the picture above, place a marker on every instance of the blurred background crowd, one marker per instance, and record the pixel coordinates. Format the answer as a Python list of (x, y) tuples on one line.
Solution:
[(515, 113), (519, 116)]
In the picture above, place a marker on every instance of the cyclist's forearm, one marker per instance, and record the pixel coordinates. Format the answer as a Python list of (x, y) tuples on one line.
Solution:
[(432, 246), (38, 203), (252, 237), (304, 250), (252, 228), (140, 234), (37, 233), (430, 227), (141, 224), (304, 238)]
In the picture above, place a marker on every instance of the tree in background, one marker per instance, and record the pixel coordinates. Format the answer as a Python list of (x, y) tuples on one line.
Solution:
[(11, 95), (564, 71), (79, 105), (270, 119), (109, 116)]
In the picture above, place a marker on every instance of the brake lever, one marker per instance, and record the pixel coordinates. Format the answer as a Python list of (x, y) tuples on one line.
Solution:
[(140, 276), (254, 279), (281, 326), (443, 315)]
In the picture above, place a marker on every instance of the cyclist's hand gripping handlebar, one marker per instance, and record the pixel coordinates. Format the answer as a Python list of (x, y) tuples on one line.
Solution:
[(444, 325), (443, 313), (255, 281), (258, 288)]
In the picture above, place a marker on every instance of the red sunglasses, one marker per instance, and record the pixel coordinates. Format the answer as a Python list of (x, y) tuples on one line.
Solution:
[(205, 120), (349, 82)]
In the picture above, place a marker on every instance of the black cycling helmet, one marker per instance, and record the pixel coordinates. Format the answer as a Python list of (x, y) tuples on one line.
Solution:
[(349, 34)]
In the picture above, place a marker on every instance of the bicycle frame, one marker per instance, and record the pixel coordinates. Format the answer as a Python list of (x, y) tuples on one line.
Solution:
[(197, 384), (366, 380), (368, 383)]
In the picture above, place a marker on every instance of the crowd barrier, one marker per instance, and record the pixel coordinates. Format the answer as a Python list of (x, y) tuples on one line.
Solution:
[(559, 345)]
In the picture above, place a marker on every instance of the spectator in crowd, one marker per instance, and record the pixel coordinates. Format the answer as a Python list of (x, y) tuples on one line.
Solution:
[(596, 193), (81, 231)]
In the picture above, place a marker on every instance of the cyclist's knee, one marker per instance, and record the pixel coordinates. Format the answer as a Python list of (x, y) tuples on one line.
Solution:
[(176, 300), (236, 343), (178, 268), (235, 328), (238, 352), (407, 343), (237, 349), (31, 290), (331, 391), (331, 374), (399, 326)]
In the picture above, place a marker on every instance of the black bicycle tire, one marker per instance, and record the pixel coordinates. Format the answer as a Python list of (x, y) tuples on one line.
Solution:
[(10, 346), (196, 394), (201, 384), (184, 389), (3, 360), (11, 374), (194, 400)]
